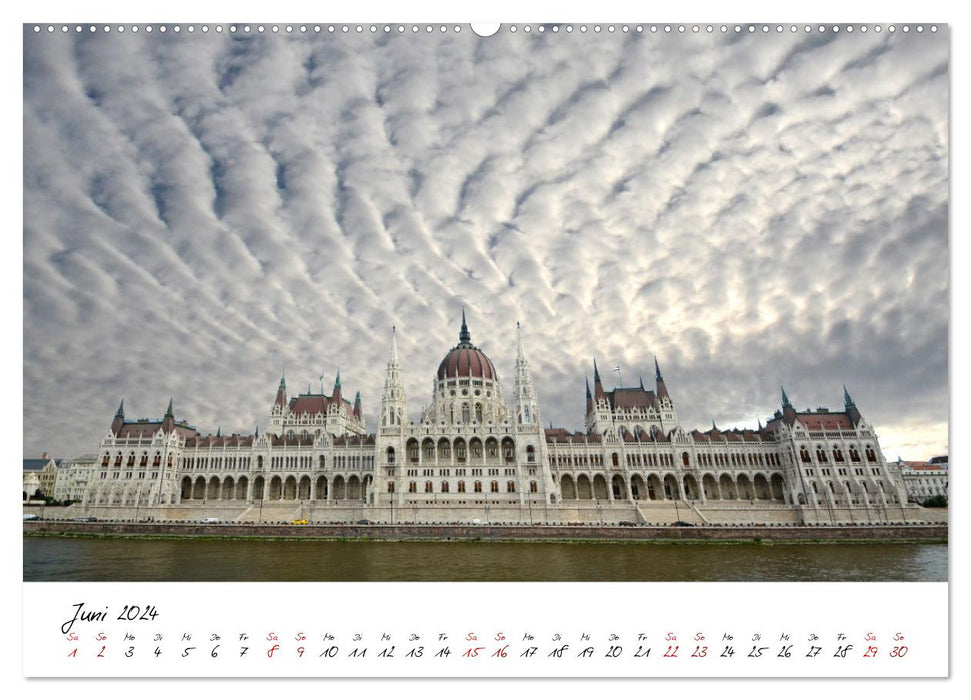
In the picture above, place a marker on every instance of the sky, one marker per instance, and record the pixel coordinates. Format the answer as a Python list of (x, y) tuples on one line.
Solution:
[(205, 211)]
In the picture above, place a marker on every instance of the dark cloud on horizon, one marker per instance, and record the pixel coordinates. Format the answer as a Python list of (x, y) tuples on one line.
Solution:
[(202, 211)]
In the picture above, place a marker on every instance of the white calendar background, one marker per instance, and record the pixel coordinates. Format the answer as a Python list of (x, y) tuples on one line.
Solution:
[(486, 630), (919, 611)]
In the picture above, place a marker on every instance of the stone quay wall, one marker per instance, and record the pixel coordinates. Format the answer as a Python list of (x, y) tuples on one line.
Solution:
[(762, 533)]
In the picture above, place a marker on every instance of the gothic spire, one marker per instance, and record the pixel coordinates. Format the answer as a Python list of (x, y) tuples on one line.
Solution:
[(120, 413), (281, 392), (598, 388), (464, 335), (662, 390), (168, 411), (785, 399), (847, 399), (393, 360)]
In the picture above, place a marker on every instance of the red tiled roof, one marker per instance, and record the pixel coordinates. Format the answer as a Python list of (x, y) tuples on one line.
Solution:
[(825, 421), (631, 398)]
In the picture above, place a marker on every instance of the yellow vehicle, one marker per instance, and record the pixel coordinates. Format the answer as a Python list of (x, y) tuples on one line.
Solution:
[(298, 522)]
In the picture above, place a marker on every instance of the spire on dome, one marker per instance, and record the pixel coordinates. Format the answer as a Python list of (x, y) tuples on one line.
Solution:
[(785, 399), (464, 335)]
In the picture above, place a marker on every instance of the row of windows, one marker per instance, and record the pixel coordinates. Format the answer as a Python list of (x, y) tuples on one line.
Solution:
[(460, 487), (738, 459), (142, 462), (821, 454), (129, 475)]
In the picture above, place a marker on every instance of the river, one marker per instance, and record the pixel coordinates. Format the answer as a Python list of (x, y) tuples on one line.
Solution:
[(123, 559)]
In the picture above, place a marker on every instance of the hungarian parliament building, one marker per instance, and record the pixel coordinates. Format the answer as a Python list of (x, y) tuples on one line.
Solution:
[(474, 456)]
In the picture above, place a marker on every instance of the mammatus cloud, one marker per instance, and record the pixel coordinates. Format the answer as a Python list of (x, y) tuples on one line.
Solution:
[(203, 211)]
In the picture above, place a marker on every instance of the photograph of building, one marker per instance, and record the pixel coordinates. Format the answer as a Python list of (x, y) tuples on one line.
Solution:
[(565, 275)]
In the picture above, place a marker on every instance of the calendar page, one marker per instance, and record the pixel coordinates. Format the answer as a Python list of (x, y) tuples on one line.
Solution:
[(517, 350)]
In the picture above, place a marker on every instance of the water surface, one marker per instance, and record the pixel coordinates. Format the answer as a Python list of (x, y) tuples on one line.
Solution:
[(79, 559)]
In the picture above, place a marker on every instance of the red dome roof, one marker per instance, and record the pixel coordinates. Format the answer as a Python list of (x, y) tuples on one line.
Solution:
[(466, 360)]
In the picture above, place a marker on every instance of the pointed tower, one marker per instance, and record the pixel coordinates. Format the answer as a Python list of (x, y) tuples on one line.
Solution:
[(527, 410), (852, 412), (119, 420), (168, 422), (281, 393), (393, 398), (336, 399), (788, 412), (357, 405), (280, 410), (598, 387), (589, 395), (666, 411), (599, 419), (390, 435), (662, 390)]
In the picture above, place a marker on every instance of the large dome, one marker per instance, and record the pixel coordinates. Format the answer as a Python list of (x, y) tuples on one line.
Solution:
[(466, 360)]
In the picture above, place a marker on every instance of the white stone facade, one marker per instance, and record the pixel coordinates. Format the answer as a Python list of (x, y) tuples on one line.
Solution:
[(469, 451)]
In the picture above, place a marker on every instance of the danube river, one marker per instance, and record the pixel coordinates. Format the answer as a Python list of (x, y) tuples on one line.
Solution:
[(123, 559)]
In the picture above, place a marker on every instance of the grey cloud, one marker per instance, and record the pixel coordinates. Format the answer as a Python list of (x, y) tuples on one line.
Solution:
[(203, 211)]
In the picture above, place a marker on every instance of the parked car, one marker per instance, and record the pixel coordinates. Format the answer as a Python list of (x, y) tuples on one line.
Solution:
[(85, 519), (298, 522), (682, 523), (31, 516), (364, 522), (211, 520)]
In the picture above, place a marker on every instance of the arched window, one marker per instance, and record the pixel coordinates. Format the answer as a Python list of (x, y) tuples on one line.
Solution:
[(465, 413), (532, 487), (412, 487), (685, 459), (478, 487), (494, 487), (614, 459), (444, 487), (390, 487), (428, 487), (804, 454), (390, 455), (461, 487), (510, 487), (530, 454), (478, 412)]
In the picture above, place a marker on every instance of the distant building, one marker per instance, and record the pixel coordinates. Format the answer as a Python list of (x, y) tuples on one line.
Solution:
[(40, 475), (73, 477), (923, 480)]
